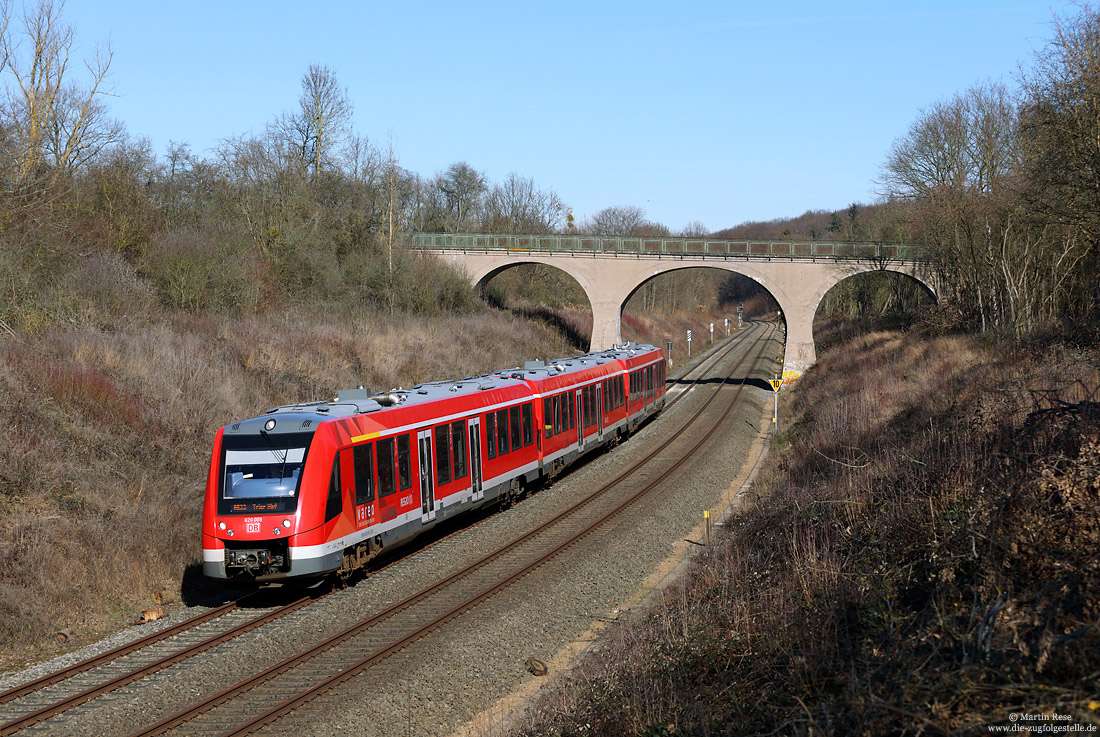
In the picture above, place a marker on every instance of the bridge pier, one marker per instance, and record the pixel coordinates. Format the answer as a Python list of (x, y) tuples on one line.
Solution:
[(799, 352), (606, 323)]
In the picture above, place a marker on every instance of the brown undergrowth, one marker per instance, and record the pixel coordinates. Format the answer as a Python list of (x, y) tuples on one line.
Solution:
[(923, 561)]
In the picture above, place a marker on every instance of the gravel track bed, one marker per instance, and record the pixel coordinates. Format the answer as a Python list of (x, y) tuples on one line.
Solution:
[(446, 679)]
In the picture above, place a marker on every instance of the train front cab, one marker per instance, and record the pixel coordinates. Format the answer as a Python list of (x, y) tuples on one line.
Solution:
[(259, 504)]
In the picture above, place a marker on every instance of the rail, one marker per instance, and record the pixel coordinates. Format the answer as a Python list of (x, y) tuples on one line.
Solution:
[(658, 246)]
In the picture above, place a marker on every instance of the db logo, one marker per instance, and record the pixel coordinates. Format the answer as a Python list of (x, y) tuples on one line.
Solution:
[(252, 527)]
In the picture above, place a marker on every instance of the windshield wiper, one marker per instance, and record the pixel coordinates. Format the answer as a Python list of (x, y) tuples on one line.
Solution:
[(275, 450)]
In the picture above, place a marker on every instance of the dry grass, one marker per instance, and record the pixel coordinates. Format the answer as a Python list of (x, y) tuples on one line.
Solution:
[(925, 562)]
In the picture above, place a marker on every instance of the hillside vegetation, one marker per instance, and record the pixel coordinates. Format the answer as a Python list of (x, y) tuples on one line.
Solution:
[(921, 558)]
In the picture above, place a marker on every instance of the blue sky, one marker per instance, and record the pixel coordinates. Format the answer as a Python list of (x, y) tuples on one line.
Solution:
[(718, 112)]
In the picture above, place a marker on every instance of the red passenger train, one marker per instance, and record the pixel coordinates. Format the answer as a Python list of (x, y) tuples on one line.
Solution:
[(311, 489)]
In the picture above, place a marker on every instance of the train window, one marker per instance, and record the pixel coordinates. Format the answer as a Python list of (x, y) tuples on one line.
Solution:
[(528, 424), (514, 426), (570, 411), (458, 440), (589, 405), (491, 434), (404, 465), (557, 414), (548, 416), (385, 467), (363, 462), (502, 432), (443, 454), (334, 505)]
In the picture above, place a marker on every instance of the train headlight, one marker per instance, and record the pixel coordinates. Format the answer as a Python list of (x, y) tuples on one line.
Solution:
[(221, 525), (286, 523), (269, 425), (231, 533)]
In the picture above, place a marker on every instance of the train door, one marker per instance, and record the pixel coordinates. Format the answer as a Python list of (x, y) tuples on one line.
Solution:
[(474, 430), (580, 418), (427, 477), (599, 410)]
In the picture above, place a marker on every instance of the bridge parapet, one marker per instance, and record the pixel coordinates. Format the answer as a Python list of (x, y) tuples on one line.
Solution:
[(661, 246)]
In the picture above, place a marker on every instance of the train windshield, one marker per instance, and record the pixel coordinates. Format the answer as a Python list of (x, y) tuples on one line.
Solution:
[(262, 473), (251, 474)]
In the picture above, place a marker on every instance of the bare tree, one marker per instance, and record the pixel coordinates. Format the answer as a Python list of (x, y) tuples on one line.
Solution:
[(321, 124), (694, 229), (516, 205), (958, 160), (456, 197), (619, 220), (56, 125), (1061, 123)]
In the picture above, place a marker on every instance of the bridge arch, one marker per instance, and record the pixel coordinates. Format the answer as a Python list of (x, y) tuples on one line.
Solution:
[(608, 279), (482, 276)]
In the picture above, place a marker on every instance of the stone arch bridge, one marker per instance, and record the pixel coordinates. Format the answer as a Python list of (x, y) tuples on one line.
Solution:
[(610, 270)]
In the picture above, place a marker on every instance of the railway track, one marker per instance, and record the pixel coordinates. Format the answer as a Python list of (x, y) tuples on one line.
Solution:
[(275, 692), (332, 661)]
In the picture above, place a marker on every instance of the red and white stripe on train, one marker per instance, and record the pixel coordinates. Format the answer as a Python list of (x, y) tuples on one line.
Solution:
[(310, 489)]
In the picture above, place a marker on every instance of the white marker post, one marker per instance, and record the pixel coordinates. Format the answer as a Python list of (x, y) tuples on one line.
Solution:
[(689, 344), (712, 333), (727, 327), (776, 383)]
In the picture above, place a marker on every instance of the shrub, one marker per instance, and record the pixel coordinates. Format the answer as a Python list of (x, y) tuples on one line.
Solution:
[(206, 269)]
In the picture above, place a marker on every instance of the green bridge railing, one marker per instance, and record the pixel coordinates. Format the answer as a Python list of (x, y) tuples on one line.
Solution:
[(672, 246)]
